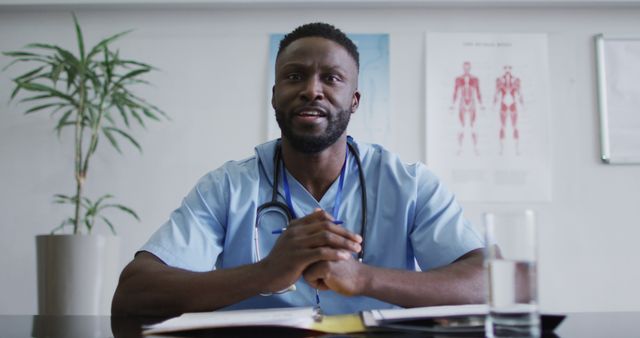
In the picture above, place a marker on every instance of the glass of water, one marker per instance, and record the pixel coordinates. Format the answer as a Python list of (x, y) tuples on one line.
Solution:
[(510, 265)]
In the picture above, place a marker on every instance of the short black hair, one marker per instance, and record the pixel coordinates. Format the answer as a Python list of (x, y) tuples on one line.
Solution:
[(322, 30)]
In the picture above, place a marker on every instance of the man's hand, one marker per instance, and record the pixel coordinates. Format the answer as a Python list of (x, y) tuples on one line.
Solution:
[(305, 241), (346, 277), (461, 282)]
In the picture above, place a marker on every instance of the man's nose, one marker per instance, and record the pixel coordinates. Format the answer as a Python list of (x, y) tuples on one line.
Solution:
[(313, 89)]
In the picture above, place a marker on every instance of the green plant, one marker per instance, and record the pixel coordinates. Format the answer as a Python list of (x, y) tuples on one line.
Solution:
[(89, 92)]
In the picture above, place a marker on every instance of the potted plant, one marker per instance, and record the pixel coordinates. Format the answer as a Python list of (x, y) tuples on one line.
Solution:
[(89, 93)]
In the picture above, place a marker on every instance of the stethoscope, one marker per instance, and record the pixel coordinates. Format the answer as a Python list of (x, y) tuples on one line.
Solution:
[(286, 211)]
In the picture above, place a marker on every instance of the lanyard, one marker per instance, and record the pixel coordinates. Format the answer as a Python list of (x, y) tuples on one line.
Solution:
[(336, 203)]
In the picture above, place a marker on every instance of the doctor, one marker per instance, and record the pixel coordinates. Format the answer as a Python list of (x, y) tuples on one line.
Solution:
[(365, 231)]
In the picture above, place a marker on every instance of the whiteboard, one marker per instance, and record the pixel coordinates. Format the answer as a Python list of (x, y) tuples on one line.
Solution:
[(618, 67)]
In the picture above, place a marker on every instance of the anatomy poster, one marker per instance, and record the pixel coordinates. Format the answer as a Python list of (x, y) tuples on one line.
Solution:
[(487, 99), (372, 121)]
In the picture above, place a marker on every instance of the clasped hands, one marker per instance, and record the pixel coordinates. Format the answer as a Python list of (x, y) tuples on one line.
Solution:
[(320, 251)]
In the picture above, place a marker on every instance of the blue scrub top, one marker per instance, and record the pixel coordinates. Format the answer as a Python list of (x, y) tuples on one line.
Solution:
[(413, 222)]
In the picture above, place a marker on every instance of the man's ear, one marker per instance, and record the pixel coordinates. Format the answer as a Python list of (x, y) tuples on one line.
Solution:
[(355, 101), (273, 99)]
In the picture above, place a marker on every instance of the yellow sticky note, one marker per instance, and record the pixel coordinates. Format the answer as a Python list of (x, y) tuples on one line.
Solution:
[(340, 324)]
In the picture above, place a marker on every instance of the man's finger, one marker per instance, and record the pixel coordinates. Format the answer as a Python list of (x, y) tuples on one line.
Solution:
[(314, 274), (325, 253), (326, 238)]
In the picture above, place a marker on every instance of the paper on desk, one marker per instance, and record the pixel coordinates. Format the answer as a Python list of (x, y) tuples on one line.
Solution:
[(425, 312), (298, 318), (442, 319)]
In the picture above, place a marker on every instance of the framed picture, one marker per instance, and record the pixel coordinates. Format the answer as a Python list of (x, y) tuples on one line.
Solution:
[(618, 70)]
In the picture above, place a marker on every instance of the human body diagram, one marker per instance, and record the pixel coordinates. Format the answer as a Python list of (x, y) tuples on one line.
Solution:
[(465, 93), (507, 101), (509, 95)]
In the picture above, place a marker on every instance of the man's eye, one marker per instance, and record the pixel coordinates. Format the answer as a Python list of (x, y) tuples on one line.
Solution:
[(294, 76), (333, 78)]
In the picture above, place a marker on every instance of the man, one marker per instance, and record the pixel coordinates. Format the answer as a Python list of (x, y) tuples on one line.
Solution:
[(225, 248)]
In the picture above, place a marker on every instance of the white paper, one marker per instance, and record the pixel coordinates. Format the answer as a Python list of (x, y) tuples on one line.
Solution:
[(302, 318), (488, 115), (430, 312), (620, 96)]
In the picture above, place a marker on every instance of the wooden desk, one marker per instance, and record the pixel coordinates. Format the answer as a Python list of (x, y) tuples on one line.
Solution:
[(576, 325)]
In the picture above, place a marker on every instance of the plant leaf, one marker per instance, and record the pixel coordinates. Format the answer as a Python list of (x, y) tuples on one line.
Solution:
[(137, 63), (102, 198), (111, 139), (132, 74), (61, 105), (95, 81), (29, 74), (143, 102), (108, 70), (55, 74), (14, 92), (86, 202), (42, 46), (68, 221), (94, 147), (61, 199), (25, 59), (37, 97), (65, 55), (132, 109), (19, 54), (123, 113), (125, 135), (88, 224), (40, 107), (36, 87), (103, 43), (63, 121), (125, 209), (109, 224), (79, 37), (107, 116), (148, 113), (71, 76)]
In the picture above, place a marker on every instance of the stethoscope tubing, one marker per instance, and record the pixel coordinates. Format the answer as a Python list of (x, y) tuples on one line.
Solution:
[(274, 203)]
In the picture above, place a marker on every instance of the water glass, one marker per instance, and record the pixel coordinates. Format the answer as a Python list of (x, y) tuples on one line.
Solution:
[(511, 270)]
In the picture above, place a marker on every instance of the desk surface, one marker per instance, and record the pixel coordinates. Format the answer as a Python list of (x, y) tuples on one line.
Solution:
[(576, 325)]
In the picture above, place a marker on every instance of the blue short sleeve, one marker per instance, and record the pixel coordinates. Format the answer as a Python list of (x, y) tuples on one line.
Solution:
[(440, 234), (193, 237)]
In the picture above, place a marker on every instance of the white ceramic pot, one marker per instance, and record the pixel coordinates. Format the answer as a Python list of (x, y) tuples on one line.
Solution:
[(77, 274)]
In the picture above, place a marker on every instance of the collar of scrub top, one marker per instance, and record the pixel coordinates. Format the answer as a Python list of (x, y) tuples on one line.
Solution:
[(336, 203)]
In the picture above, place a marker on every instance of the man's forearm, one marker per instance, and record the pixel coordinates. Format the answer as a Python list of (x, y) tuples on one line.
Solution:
[(152, 288), (461, 282)]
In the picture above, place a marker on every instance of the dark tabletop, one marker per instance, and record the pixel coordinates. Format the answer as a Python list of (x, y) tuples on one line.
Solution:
[(576, 325)]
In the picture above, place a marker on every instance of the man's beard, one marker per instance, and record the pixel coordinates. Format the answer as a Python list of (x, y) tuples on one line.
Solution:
[(310, 144)]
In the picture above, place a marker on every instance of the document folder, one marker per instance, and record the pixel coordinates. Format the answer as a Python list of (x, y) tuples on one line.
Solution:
[(459, 319), (303, 318)]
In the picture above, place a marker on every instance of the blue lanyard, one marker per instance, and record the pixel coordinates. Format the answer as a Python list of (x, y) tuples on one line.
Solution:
[(336, 203)]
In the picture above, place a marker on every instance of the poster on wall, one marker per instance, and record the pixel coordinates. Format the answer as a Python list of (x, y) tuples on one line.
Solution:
[(372, 121), (487, 123)]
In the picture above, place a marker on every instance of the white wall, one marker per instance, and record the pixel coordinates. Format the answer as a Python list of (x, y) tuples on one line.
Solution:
[(212, 83)]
